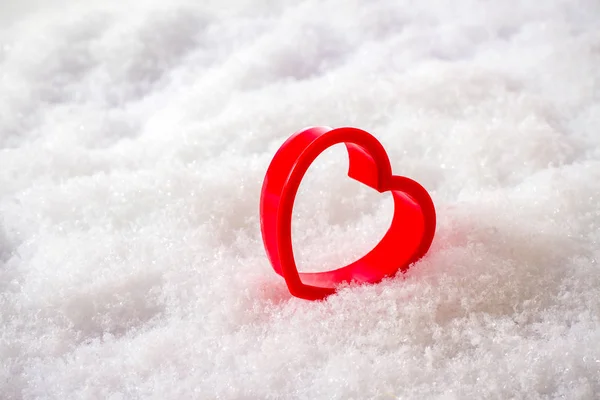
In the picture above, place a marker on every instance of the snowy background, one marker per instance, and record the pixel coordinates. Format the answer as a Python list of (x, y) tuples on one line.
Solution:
[(134, 139)]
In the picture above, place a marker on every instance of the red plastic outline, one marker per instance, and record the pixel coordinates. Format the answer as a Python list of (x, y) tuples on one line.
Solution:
[(407, 239)]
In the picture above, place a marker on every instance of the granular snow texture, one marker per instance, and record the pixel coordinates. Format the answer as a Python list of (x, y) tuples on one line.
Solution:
[(134, 139)]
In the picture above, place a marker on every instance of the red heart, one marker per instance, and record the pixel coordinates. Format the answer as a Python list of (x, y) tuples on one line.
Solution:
[(408, 238)]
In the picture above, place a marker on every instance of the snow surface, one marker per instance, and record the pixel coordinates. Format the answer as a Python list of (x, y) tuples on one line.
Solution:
[(135, 136)]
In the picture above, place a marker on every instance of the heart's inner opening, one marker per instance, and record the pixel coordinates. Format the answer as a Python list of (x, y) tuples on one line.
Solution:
[(336, 220)]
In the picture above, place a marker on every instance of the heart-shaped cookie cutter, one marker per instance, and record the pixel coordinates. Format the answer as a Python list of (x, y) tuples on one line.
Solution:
[(408, 238)]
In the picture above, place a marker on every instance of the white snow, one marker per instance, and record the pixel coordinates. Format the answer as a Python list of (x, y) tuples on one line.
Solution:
[(134, 139)]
